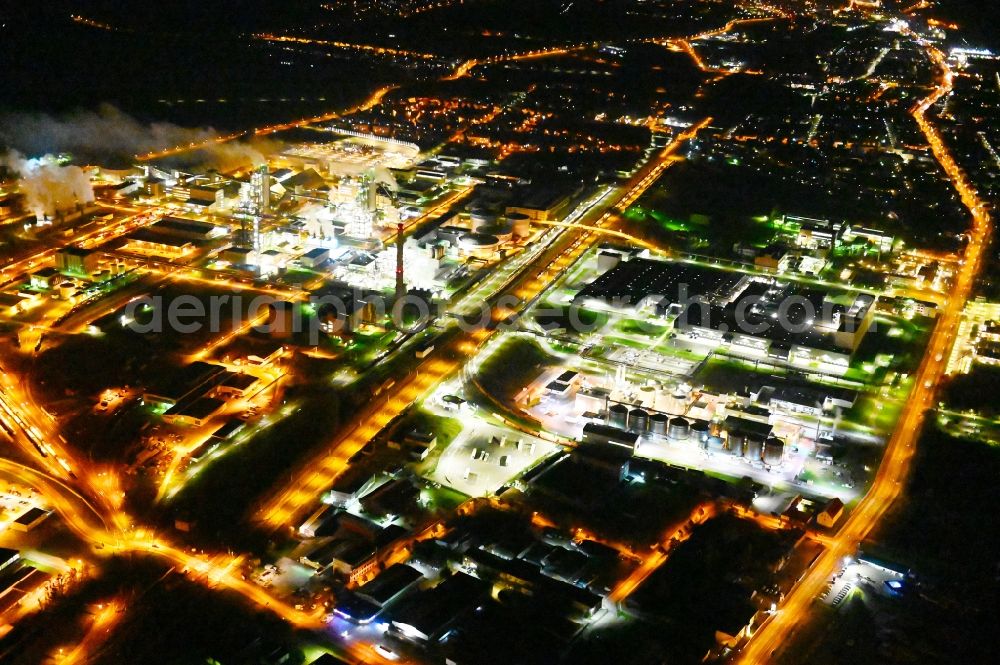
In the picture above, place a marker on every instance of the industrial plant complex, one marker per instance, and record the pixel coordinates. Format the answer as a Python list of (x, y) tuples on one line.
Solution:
[(639, 332)]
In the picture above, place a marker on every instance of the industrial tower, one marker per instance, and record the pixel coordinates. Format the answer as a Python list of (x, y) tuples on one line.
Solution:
[(400, 283)]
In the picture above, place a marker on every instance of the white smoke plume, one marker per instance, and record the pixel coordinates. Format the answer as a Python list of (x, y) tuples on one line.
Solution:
[(110, 137), (105, 132), (49, 187)]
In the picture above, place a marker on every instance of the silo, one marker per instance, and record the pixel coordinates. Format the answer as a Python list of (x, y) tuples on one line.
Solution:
[(700, 432), (66, 290), (481, 217), (501, 231), (755, 448), (679, 429), (774, 451), (618, 416), (737, 443), (520, 223), (658, 424), (638, 420)]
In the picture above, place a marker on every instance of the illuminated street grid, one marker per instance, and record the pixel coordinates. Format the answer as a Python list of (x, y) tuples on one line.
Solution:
[(530, 402)]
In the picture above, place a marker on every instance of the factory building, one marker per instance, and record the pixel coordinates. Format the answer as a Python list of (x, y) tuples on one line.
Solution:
[(546, 204), (749, 315), (188, 229), (150, 243), (76, 260)]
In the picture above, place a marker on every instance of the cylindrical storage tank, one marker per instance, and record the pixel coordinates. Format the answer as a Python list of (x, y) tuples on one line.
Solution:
[(700, 432), (638, 420), (520, 224), (755, 449), (679, 429), (479, 244), (502, 232), (737, 444), (481, 217), (715, 442), (618, 416), (658, 424), (66, 290), (774, 451)]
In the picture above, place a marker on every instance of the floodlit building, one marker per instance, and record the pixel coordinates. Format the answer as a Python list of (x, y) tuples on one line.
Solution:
[(76, 260), (150, 243), (831, 513), (753, 316), (543, 203)]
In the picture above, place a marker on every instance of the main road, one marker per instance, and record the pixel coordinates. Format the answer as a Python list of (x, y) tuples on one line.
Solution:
[(888, 482)]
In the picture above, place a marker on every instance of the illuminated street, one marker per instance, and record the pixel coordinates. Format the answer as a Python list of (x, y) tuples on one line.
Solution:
[(368, 332)]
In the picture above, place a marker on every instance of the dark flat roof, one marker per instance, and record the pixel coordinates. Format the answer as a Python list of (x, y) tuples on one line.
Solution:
[(631, 281), (230, 428), (177, 225), (198, 409), (746, 426), (73, 250), (390, 583), (328, 659), (31, 516), (434, 609), (150, 236)]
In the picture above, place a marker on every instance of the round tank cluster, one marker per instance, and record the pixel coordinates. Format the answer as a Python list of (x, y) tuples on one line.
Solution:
[(481, 217), (502, 232)]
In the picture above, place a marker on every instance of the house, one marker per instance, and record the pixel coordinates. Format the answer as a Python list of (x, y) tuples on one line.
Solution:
[(831, 513)]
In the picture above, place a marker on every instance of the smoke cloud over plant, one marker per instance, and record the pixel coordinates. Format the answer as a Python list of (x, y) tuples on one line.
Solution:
[(109, 135), (48, 186)]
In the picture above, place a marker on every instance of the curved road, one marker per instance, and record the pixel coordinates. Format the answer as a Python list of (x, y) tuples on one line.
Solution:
[(888, 482)]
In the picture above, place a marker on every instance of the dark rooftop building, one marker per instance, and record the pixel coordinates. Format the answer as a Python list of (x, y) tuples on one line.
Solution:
[(424, 617)]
